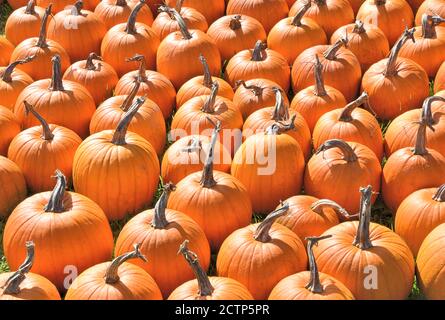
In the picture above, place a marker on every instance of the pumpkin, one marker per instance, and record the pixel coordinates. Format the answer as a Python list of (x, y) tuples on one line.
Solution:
[(261, 119), (197, 116), (255, 94), (372, 261), (430, 7), (60, 102), (328, 14), (439, 82), (311, 285), (165, 22), (115, 280), (337, 161), (205, 287), (9, 127), (292, 35), (410, 169), (60, 5), (350, 123), (218, 202), (61, 218), (24, 23), (271, 166), (78, 31), (6, 49), (42, 50), (153, 85), (114, 12), (235, 33), (388, 81), (259, 249), (392, 17), (178, 53), (13, 81), (187, 155), (259, 63), (430, 264), (428, 49), (99, 79), (402, 130), (14, 186), (366, 41), (125, 40), (316, 100), (267, 12), (341, 69), (160, 231), (202, 85), (419, 214), (117, 169), (23, 285), (15, 4), (211, 10)]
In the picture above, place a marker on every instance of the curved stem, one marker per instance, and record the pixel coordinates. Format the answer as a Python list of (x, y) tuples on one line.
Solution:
[(259, 51), (12, 284), (207, 179), (205, 287), (46, 131), (112, 274), (30, 7), (314, 284), (126, 105), (280, 127), (7, 74), (131, 22), (319, 205), (296, 21), (281, 111), (359, 27), (362, 239), (159, 219), (348, 153), (41, 43), (121, 3), (89, 64), (55, 203), (391, 63), (207, 76), (262, 231), (178, 5), (320, 90), (429, 24), (346, 114), (209, 105), (427, 115), (142, 75), (420, 147), (56, 78), (440, 194), (122, 127), (182, 25), (77, 8), (331, 52), (235, 22), (257, 91)]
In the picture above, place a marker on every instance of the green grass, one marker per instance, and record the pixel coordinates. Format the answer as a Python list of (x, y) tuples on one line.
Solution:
[(5, 11)]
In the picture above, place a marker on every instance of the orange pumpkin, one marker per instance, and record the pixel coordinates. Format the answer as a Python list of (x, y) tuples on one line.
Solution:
[(15, 4), (23, 285), (430, 7), (14, 186), (115, 280), (56, 221), (160, 231), (439, 82), (6, 49), (211, 10), (292, 35), (337, 161), (60, 5), (114, 12), (9, 127), (259, 249), (259, 63)]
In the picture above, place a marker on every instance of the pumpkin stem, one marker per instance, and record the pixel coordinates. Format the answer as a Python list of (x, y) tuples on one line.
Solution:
[(56, 78), (235, 22), (159, 219), (122, 127), (262, 231), (429, 24), (207, 179), (420, 147), (142, 76), (7, 74), (346, 114), (296, 21), (380, 2), (348, 153), (427, 115), (182, 25), (12, 285), (331, 52), (280, 112), (194, 145), (359, 27), (440, 194), (259, 51), (320, 2), (280, 127), (89, 64), (362, 239), (46, 131), (55, 203), (126, 105), (391, 63), (314, 284), (131, 22), (205, 287), (30, 7), (121, 3), (320, 90), (257, 91), (77, 8), (209, 105), (318, 206), (178, 5), (41, 43), (112, 276), (207, 76)]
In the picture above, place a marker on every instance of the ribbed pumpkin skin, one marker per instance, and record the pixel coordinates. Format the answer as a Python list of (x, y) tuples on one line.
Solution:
[(133, 284), (430, 7), (148, 121), (430, 264), (9, 91), (439, 82), (20, 25), (71, 108), (294, 288), (390, 255), (12, 186), (160, 246), (211, 10), (224, 289), (38, 158), (120, 179), (9, 128), (247, 260), (52, 233), (61, 5), (112, 14), (34, 287), (6, 49)]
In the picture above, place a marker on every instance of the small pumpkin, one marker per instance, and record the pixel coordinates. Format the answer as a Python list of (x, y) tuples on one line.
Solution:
[(430, 7), (14, 186), (23, 285), (211, 10), (114, 12), (6, 49), (439, 82), (9, 127)]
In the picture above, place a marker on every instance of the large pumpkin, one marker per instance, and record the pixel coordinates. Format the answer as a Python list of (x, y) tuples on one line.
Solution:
[(9, 127), (114, 12), (211, 10), (14, 186), (117, 169), (56, 221)]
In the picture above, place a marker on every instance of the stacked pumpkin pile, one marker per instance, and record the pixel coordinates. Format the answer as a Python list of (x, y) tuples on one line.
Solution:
[(297, 113)]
